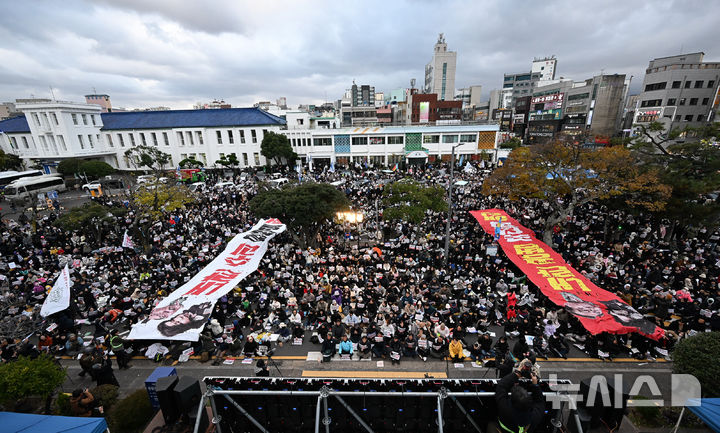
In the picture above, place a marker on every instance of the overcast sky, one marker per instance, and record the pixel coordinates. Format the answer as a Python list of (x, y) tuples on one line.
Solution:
[(168, 52)]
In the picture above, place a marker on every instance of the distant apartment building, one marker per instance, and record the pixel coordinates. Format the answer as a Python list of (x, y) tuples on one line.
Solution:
[(440, 71), (101, 100), (678, 91), (428, 109), (363, 95), (544, 66)]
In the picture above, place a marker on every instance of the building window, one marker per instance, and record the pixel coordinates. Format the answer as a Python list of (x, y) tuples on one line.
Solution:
[(143, 141), (13, 142), (450, 139), (132, 139), (109, 140), (218, 134), (120, 139), (655, 86), (245, 159), (705, 101), (711, 84), (25, 143), (61, 139), (154, 138), (92, 118), (253, 134), (242, 137), (693, 101), (688, 118), (699, 84), (651, 103), (80, 139), (181, 139), (55, 119), (90, 141), (359, 140), (84, 118), (203, 158), (682, 101), (677, 118), (396, 139), (700, 118), (200, 138), (97, 136), (190, 138), (257, 158), (377, 140), (183, 156), (688, 83), (166, 139), (467, 138), (431, 139), (74, 118), (231, 138), (671, 101)]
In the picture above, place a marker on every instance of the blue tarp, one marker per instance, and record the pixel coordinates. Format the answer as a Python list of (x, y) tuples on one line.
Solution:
[(708, 411), (31, 423)]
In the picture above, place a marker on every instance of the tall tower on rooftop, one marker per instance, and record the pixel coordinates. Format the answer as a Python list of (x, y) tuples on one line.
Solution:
[(440, 72)]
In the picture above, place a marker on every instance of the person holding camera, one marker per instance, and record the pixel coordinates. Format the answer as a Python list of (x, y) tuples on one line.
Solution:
[(519, 411), (81, 402)]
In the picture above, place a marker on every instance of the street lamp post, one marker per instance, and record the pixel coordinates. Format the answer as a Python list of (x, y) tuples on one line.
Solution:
[(450, 204)]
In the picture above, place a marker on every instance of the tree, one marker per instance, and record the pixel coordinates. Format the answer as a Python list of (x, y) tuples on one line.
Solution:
[(569, 175), (303, 208), (95, 169), (91, 219), (148, 157), (698, 355), (9, 161), (512, 143), (190, 163), (69, 166), (409, 201), (688, 161), (228, 161), (276, 147), (152, 202), (28, 377)]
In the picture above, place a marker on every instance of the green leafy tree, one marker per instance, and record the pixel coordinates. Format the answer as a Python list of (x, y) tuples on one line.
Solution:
[(95, 169), (698, 355), (409, 201), (91, 219), (69, 166), (688, 161), (148, 157), (190, 163), (9, 161), (132, 413), (153, 202), (28, 377), (303, 208), (276, 147), (567, 176), (512, 143), (228, 161)]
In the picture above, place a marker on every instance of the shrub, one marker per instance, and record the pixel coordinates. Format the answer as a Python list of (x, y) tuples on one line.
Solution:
[(105, 395), (62, 405), (132, 413), (28, 377), (698, 355)]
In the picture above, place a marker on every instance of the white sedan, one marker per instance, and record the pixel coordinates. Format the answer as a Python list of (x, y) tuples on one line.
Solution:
[(91, 186)]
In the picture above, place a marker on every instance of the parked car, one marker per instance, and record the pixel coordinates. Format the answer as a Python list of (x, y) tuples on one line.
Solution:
[(91, 186), (197, 186), (221, 185), (145, 178)]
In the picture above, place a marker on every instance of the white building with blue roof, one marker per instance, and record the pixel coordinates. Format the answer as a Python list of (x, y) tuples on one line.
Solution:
[(52, 131)]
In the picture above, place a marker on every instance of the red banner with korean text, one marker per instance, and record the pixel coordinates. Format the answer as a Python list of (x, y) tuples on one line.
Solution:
[(598, 310), (184, 313)]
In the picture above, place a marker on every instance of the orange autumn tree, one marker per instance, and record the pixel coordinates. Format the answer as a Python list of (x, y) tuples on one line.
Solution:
[(568, 175)]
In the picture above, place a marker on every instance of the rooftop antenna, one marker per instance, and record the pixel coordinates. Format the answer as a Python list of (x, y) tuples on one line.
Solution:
[(94, 91), (52, 93)]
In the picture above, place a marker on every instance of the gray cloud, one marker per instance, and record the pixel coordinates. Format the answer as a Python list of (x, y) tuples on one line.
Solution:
[(176, 53)]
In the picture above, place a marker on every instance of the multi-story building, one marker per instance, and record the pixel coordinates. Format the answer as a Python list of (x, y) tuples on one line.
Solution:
[(426, 108), (678, 91), (363, 95), (595, 106), (440, 72), (470, 96), (101, 100), (52, 131), (544, 66)]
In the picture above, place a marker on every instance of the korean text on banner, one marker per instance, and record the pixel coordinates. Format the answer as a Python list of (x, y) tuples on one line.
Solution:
[(598, 310), (184, 313), (59, 297)]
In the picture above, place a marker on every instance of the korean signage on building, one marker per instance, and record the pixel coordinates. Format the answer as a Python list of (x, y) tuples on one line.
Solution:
[(551, 102)]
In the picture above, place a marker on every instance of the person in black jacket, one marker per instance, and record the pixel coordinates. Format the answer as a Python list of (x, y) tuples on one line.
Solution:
[(518, 410), (328, 348)]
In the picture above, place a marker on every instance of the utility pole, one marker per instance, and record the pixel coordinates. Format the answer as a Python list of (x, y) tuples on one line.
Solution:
[(450, 204)]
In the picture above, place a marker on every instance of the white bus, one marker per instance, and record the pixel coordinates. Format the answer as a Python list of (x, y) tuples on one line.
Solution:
[(8, 177), (26, 188)]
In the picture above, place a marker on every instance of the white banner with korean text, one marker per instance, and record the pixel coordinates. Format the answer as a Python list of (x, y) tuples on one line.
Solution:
[(184, 313)]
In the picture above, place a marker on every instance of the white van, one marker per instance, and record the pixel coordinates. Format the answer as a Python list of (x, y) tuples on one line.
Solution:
[(278, 182), (26, 188), (145, 178)]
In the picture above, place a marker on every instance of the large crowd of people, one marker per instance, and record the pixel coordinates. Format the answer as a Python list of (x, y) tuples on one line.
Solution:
[(379, 290)]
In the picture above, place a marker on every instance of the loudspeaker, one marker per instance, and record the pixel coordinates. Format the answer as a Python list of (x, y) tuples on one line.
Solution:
[(165, 393), (187, 396), (610, 415)]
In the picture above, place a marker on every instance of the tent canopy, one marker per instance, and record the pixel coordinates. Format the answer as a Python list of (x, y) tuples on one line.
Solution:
[(30, 423), (708, 411)]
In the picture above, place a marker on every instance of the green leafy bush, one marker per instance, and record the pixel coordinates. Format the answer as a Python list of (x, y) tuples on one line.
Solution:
[(62, 405), (132, 413), (698, 355), (105, 395), (29, 377)]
